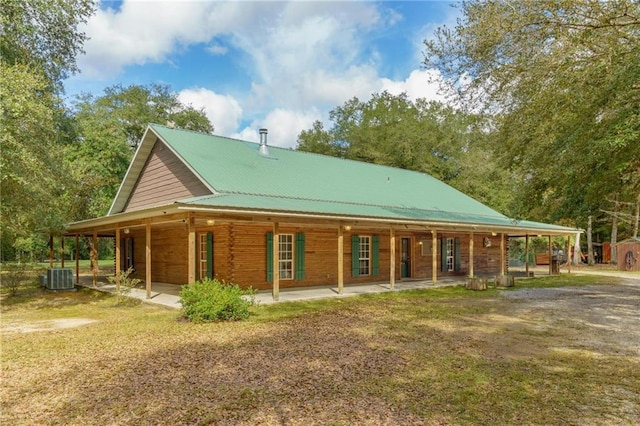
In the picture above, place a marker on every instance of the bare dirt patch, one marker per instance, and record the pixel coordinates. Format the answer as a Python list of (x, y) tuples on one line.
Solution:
[(46, 325)]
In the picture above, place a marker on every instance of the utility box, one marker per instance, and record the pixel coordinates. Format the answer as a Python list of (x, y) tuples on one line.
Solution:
[(58, 279)]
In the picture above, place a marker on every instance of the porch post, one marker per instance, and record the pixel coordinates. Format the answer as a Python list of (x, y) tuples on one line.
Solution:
[(340, 260), (434, 256), (94, 257), (502, 254), (118, 254), (392, 256), (276, 261), (148, 258), (62, 251), (526, 254), (550, 258), (471, 255), (77, 260), (50, 251), (191, 249), (569, 254)]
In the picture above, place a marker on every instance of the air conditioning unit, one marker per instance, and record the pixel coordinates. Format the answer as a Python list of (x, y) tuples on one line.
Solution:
[(58, 279)]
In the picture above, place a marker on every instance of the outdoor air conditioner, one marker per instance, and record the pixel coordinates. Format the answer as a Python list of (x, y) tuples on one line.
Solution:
[(59, 279)]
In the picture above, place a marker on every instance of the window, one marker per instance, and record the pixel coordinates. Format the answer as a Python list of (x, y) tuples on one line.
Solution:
[(364, 255), (286, 256), (450, 255), (202, 256)]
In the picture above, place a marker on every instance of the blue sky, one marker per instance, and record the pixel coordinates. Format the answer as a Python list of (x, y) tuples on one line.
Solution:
[(280, 65)]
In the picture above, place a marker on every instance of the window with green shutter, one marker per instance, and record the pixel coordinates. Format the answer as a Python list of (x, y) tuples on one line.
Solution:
[(375, 255), (355, 256)]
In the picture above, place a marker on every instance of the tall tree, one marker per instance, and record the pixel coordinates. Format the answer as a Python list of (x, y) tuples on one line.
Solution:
[(39, 40), (134, 107), (562, 79), (43, 34)]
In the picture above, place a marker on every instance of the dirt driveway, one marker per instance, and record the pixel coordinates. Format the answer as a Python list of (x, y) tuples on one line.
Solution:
[(609, 315)]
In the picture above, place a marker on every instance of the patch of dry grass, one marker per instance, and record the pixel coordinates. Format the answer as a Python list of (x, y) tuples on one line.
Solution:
[(424, 357)]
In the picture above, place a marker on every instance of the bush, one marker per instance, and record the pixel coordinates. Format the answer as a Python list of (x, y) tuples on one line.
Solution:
[(211, 300), (15, 274)]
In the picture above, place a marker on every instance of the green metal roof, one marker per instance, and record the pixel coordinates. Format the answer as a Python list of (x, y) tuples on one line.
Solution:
[(295, 181)]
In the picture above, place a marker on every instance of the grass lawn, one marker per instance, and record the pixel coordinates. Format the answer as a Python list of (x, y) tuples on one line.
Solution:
[(441, 356)]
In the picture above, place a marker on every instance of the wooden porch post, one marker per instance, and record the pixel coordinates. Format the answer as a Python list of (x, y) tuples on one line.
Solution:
[(191, 250), (276, 261), (392, 257), (526, 254), (340, 260), (118, 254), (434, 256), (471, 255), (550, 258), (77, 259), (502, 254), (94, 257), (148, 258), (62, 251), (50, 251), (569, 254)]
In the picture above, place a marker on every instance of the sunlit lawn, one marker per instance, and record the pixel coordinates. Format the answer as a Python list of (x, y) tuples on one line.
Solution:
[(437, 356)]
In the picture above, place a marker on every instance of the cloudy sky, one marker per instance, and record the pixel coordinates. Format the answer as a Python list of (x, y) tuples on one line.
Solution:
[(280, 65)]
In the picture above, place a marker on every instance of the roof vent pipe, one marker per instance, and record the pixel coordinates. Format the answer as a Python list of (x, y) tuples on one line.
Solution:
[(264, 148)]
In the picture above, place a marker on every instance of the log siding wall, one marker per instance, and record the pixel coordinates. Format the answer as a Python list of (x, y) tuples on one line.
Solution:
[(164, 179), (240, 254)]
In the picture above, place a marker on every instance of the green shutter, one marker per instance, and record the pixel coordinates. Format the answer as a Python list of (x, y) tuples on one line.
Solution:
[(300, 270), (355, 256), (269, 256), (443, 254), (210, 254), (375, 255), (456, 254)]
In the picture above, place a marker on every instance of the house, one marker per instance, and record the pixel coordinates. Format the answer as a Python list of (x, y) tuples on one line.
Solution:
[(195, 205), (628, 254)]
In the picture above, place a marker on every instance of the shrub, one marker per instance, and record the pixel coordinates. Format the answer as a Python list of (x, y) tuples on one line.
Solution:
[(212, 300), (15, 274), (126, 284)]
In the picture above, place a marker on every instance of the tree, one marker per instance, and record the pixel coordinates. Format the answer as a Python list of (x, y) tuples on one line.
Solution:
[(44, 35), (562, 79), (134, 107), (423, 136), (31, 168)]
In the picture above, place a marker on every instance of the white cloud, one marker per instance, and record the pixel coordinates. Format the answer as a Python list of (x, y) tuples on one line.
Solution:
[(419, 84), (223, 111)]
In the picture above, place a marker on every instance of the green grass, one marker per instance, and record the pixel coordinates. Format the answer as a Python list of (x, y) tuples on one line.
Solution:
[(438, 356)]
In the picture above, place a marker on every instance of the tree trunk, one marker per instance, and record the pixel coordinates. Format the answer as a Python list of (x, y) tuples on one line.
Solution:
[(577, 253), (589, 240), (614, 233)]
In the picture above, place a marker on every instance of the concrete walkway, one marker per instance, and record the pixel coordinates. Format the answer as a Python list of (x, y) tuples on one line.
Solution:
[(168, 294)]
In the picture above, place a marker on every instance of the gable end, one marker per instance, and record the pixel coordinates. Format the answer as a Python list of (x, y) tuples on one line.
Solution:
[(163, 180)]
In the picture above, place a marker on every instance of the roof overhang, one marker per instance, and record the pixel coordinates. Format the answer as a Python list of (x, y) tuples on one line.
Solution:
[(179, 212)]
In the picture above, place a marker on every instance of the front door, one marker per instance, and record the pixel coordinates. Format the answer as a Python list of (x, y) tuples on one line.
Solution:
[(405, 258)]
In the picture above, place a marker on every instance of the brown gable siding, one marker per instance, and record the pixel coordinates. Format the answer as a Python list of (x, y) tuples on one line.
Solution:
[(163, 180)]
